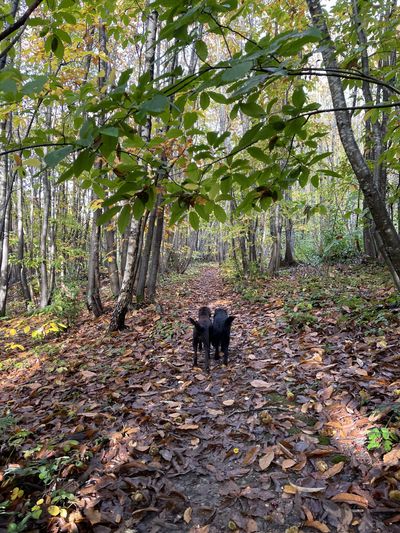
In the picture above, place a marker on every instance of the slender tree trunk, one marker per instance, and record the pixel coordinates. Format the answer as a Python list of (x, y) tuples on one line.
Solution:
[(275, 228), (44, 278), (111, 258), (145, 258), (155, 255), (93, 299), (21, 244), (4, 266), (389, 238), (125, 296)]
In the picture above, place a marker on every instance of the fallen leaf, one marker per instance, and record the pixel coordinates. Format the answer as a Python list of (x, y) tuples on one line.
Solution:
[(251, 455), (332, 471), (188, 426), (317, 525), (288, 463), (352, 499), (266, 460), (87, 374), (310, 490), (228, 403), (187, 515), (260, 384)]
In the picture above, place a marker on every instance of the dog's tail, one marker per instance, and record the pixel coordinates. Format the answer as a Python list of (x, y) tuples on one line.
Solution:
[(230, 319), (196, 325)]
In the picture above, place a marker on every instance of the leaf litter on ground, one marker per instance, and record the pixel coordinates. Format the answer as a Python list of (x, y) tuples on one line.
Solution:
[(276, 442)]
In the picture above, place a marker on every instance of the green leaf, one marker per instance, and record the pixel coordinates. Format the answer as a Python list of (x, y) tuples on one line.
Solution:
[(194, 220), (189, 119), (252, 109), (53, 158), (107, 215), (138, 208), (204, 100), (34, 86), (299, 97), (201, 50), (84, 161), (111, 131), (124, 218), (155, 105), (259, 154), (237, 71), (219, 213)]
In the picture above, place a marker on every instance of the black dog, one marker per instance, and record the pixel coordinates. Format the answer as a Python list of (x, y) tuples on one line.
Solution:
[(202, 335), (221, 332)]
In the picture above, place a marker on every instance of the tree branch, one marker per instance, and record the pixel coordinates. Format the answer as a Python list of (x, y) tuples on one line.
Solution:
[(21, 21)]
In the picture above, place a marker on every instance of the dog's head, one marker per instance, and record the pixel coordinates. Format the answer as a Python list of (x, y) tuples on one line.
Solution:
[(205, 311)]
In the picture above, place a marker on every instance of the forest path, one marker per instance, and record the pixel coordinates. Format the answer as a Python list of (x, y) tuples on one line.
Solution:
[(156, 446)]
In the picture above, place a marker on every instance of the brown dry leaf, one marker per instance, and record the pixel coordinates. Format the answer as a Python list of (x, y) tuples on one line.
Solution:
[(93, 515), (87, 374), (187, 515), (228, 403), (251, 455), (266, 460), (289, 489), (214, 412), (332, 471), (392, 458), (188, 426), (327, 393), (317, 525), (352, 499), (288, 463), (34, 386), (200, 529), (261, 384), (310, 490)]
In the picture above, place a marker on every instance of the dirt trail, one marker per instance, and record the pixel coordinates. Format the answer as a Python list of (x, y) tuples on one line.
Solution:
[(175, 450)]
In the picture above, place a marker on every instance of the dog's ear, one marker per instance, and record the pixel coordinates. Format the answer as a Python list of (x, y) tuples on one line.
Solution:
[(230, 319)]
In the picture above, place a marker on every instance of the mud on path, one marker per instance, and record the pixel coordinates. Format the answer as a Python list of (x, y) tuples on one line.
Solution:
[(272, 443)]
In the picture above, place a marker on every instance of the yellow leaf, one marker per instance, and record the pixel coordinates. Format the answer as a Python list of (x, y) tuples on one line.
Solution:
[(39, 502), (53, 510), (63, 513), (27, 329), (12, 332), (236, 450)]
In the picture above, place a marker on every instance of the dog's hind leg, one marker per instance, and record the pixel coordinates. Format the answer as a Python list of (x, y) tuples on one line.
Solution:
[(216, 353), (207, 357), (225, 351)]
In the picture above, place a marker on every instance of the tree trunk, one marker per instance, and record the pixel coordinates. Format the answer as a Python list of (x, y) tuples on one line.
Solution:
[(125, 296), (390, 240), (275, 229), (155, 255), (44, 277), (111, 258), (4, 262), (21, 244), (145, 258), (93, 300)]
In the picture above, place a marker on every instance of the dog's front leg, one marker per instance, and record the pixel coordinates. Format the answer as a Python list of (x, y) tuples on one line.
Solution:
[(195, 352)]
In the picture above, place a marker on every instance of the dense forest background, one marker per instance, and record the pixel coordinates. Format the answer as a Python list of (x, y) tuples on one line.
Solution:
[(156, 156)]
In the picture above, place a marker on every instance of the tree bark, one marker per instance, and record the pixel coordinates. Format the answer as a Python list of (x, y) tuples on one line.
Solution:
[(373, 197)]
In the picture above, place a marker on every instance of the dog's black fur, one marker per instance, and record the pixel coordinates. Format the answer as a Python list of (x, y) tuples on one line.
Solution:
[(221, 332), (202, 335)]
